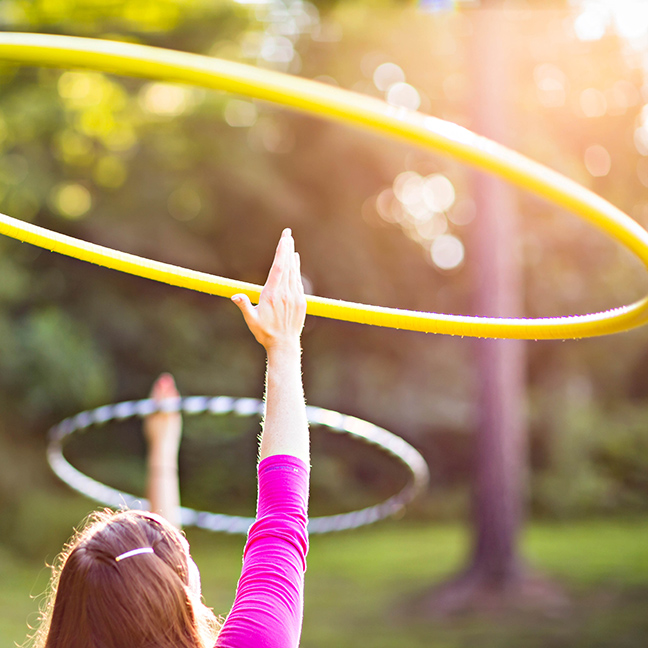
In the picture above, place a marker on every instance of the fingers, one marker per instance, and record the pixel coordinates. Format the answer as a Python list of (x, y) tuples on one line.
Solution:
[(296, 284), (279, 266)]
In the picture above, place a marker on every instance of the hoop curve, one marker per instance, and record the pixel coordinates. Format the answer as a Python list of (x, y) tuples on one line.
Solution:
[(357, 110), (219, 405)]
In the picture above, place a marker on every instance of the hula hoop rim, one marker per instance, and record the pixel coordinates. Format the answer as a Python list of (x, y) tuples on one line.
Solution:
[(339, 105), (336, 422)]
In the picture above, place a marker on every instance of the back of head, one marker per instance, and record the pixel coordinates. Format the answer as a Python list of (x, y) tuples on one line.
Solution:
[(142, 601)]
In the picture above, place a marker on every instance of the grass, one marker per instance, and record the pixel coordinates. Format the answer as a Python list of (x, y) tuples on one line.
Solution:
[(358, 585)]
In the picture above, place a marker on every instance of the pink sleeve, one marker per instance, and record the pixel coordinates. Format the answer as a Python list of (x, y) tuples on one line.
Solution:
[(268, 608)]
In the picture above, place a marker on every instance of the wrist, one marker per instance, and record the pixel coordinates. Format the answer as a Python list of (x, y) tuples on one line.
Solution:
[(164, 454), (162, 468), (284, 350)]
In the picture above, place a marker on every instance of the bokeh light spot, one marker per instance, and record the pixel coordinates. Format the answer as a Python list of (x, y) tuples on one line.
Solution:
[(434, 226), (71, 200), (73, 147), (591, 24), (120, 138), (624, 95), (439, 193), (388, 74), (593, 103), (82, 89), (598, 161), (447, 252), (404, 95), (240, 113), (164, 99), (463, 212), (277, 49), (389, 208), (110, 172), (407, 186), (184, 203)]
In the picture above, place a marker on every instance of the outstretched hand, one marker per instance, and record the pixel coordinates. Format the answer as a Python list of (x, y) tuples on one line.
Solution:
[(163, 429), (278, 319)]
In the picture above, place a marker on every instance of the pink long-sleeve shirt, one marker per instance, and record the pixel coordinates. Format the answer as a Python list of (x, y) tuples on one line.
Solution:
[(268, 608)]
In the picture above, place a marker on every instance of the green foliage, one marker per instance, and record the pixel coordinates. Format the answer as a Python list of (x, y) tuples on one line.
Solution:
[(51, 359), (624, 458), (83, 16), (597, 464)]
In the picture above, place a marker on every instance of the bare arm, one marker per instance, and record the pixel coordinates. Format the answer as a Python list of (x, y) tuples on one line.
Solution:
[(163, 431), (277, 323)]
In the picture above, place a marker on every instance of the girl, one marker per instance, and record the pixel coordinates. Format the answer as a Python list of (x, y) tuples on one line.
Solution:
[(128, 581)]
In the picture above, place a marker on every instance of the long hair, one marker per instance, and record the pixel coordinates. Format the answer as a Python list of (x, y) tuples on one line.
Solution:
[(143, 601)]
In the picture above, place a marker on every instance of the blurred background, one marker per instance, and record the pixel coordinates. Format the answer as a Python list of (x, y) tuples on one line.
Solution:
[(208, 180)]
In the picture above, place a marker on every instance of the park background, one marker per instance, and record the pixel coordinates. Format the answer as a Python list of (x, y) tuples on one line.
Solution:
[(207, 180)]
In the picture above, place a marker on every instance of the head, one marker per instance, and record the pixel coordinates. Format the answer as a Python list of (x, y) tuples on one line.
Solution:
[(150, 599)]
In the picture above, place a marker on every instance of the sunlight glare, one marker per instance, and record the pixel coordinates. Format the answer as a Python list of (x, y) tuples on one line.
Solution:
[(629, 17), (592, 23)]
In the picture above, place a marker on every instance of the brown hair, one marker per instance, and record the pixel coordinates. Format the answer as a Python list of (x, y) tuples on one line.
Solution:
[(140, 602)]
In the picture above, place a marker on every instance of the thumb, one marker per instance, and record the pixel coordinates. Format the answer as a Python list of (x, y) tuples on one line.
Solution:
[(245, 306)]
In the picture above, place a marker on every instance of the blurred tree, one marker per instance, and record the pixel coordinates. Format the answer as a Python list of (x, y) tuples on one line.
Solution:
[(496, 574), (500, 444), (496, 571)]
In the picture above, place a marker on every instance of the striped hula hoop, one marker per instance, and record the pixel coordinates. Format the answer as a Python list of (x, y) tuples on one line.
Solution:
[(367, 432)]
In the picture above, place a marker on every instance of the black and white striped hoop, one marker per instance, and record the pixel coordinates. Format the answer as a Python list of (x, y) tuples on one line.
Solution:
[(219, 405)]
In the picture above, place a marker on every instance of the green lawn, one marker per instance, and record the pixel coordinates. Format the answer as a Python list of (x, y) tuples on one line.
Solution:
[(358, 584)]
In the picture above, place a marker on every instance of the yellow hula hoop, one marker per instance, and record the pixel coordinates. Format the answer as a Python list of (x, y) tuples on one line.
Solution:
[(357, 110)]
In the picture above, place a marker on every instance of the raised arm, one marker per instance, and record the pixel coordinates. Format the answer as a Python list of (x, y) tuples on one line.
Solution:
[(163, 431), (277, 323), (269, 603)]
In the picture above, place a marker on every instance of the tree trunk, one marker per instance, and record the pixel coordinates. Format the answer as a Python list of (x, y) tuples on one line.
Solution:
[(500, 458), (496, 576)]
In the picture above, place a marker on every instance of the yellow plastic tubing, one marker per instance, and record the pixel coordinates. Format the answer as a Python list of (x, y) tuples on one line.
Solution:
[(349, 108)]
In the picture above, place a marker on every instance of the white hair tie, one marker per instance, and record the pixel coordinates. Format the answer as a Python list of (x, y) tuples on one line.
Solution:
[(134, 552)]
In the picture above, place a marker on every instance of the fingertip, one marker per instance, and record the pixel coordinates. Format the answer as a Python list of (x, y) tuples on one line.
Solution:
[(287, 232), (164, 387)]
